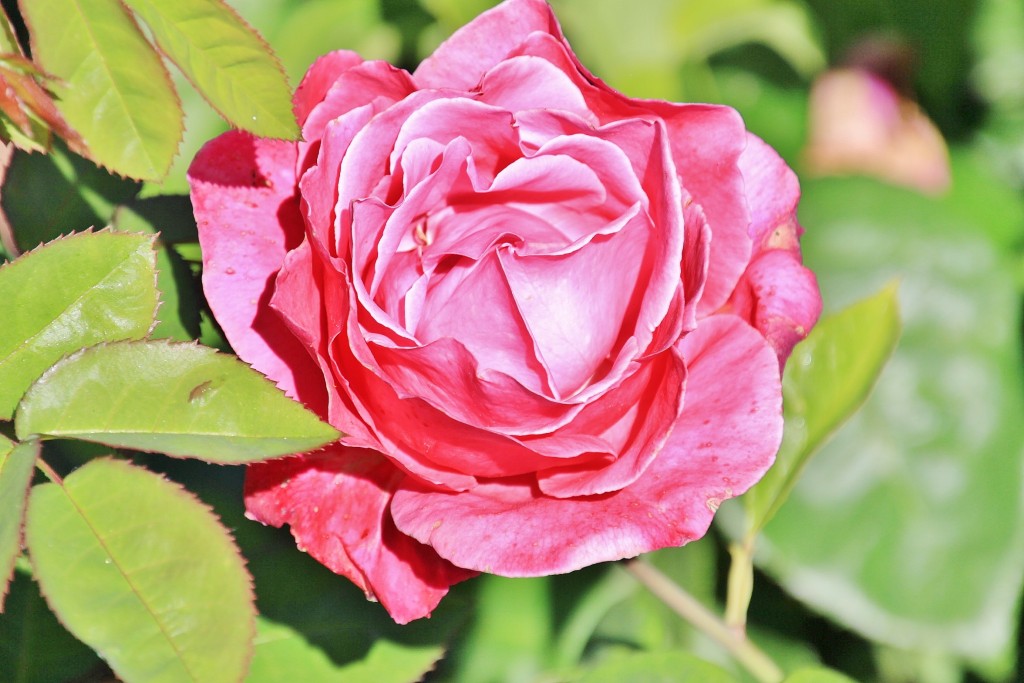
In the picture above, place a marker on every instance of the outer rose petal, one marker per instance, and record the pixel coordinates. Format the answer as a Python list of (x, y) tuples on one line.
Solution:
[(336, 503), (772, 192), (780, 297), (724, 441), (319, 79), (243, 195), (776, 293)]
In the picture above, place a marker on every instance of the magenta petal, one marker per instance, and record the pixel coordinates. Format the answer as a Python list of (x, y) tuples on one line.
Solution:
[(319, 79), (358, 86), (336, 503), (463, 59), (722, 444), (243, 195)]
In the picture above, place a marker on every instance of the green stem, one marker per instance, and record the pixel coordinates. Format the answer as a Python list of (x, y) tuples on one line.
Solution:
[(752, 658), (50, 473), (741, 585)]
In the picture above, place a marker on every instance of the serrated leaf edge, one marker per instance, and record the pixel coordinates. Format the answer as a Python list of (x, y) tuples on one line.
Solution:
[(212, 515), (267, 49), (158, 174), (7, 576), (172, 342)]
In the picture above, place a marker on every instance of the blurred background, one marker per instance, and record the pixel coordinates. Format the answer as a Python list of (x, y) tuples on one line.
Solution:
[(900, 556)]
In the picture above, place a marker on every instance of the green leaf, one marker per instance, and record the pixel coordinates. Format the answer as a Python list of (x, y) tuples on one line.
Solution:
[(817, 675), (828, 377), (141, 571), (181, 399), (906, 527), (656, 667), (389, 662), (226, 60), (34, 647), (171, 217), (112, 87), (282, 654), (73, 292), (663, 50), (17, 463), (511, 636), (47, 195)]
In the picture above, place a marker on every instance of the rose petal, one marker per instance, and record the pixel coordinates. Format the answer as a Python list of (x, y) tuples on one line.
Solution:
[(298, 299), (375, 82), (528, 82), (319, 78), (463, 59), (772, 191), (243, 195), (722, 444), (336, 503), (634, 419), (779, 297), (707, 142)]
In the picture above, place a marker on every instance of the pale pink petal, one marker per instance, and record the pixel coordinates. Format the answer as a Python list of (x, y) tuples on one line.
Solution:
[(336, 503), (724, 441), (772, 191), (580, 307), (472, 303), (463, 59), (319, 184), (529, 82), (243, 196)]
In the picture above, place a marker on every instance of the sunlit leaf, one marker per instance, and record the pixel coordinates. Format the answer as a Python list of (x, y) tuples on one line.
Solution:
[(181, 399), (171, 217), (17, 463), (280, 653), (656, 667), (112, 88), (663, 51), (34, 647), (389, 662), (511, 636), (141, 571), (828, 377), (45, 196), (73, 292), (906, 527), (226, 61)]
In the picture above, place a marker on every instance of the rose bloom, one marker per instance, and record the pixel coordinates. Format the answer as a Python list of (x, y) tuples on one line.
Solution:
[(549, 318)]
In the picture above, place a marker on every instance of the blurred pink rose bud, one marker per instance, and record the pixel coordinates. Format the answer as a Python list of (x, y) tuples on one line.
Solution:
[(859, 123)]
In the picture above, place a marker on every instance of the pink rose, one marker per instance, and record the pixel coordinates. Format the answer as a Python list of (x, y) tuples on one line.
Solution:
[(548, 318)]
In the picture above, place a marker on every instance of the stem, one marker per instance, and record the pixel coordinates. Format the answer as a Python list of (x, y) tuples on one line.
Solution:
[(752, 658), (740, 586), (6, 232), (50, 473)]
